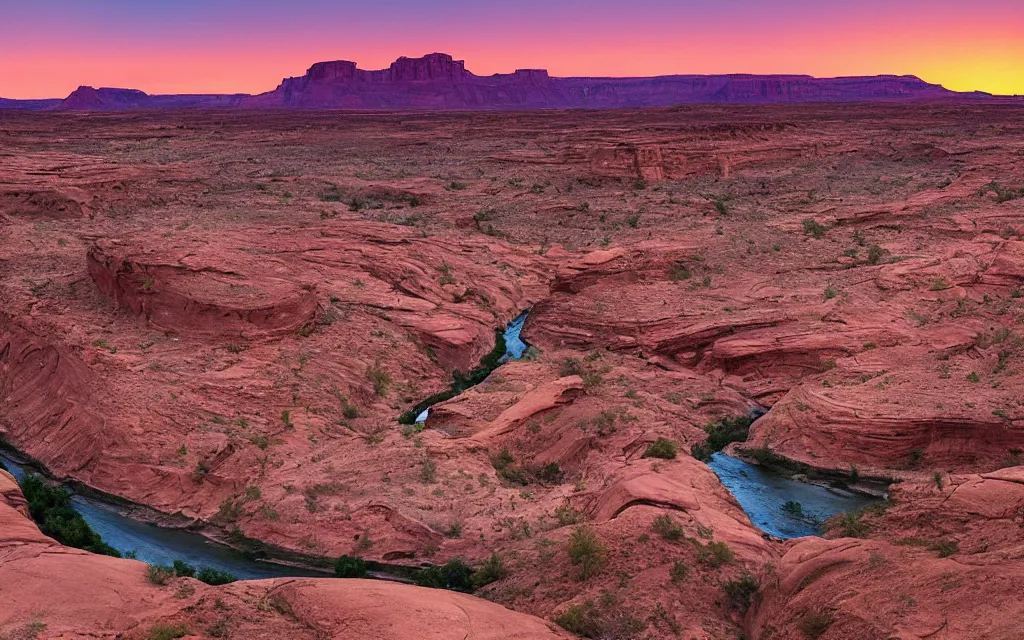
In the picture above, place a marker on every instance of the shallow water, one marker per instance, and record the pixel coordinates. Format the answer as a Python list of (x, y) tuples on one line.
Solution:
[(514, 350), (763, 493), (160, 545)]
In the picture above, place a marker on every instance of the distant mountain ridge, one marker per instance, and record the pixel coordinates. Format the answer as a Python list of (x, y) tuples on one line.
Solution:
[(439, 82)]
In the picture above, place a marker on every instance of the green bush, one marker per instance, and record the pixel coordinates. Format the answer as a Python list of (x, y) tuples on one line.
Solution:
[(350, 567), (492, 570), (814, 228), (583, 620), (661, 448), (741, 591), (679, 571), (215, 576), (454, 575), (721, 434), (50, 508), (586, 552)]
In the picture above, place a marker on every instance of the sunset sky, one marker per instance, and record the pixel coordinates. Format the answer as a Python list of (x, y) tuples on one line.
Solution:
[(49, 47)]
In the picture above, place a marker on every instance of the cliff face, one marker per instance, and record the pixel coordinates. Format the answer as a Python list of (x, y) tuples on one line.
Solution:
[(438, 82), (110, 99)]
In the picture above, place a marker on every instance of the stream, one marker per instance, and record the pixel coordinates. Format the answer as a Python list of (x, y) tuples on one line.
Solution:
[(763, 494), (514, 350), (162, 545)]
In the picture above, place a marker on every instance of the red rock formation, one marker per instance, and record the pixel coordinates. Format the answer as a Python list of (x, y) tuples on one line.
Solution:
[(436, 81), (103, 596)]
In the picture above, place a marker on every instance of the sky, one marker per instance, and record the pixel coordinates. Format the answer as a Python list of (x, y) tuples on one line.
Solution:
[(49, 47)]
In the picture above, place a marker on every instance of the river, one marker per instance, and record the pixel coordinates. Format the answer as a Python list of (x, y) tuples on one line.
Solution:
[(763, 494)]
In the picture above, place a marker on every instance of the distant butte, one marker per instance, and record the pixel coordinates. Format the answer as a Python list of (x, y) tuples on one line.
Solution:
[(438, 82)]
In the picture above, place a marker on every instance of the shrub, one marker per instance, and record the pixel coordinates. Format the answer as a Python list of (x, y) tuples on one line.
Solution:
[(215, 576), (714, 554), (566, 515), (158, 574), (492, 570), (50, 508), (606, 619), (586, 552), (937, 478), (720, 434), (350, 567), (454, 575), (741, 591), (814, 228), (875, 254), (570, 367), (667, 528), (583, 620), (661, 448), (815, 624)]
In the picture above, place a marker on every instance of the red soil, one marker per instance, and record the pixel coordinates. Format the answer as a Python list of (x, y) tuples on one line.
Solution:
[(221, 315)]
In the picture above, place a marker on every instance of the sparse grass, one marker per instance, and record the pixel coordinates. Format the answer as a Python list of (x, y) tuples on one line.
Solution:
[(849, 525), (606, 619), (679, 571), (168, 632), (667, 528), (379, 378), (586, 552), (428, 471), (815, 623)]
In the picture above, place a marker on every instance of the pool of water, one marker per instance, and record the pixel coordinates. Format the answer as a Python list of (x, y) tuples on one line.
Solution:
[(764, 496), (514, 350), (160, 545)]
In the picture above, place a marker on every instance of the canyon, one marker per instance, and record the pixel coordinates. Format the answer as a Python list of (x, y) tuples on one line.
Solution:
[(214, 319)]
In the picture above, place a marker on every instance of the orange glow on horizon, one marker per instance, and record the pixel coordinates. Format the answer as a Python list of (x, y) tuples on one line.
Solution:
[(963, 59)]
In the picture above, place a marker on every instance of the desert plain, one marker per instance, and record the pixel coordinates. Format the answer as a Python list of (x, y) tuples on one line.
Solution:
[(218, 317)]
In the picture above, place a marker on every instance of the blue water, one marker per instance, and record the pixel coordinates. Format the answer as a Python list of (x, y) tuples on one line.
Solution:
[(514, 345), (160, 545), (762, 494), (514, 350)]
